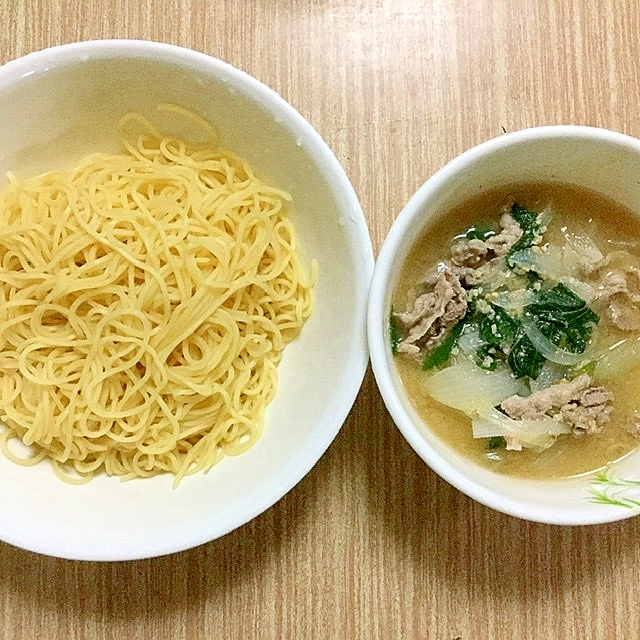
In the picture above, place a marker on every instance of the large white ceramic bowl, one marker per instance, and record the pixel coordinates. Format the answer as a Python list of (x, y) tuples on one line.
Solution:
[(59, 104), (598, 159)]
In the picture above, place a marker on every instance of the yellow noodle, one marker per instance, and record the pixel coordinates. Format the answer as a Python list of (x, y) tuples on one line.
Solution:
[(145, 300)]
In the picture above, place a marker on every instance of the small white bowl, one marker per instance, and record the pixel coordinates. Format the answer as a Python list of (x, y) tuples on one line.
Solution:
[(597, 159), (59, 104)]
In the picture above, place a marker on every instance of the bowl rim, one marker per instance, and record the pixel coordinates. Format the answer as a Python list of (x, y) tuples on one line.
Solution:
[(14, 71), (379, 353)]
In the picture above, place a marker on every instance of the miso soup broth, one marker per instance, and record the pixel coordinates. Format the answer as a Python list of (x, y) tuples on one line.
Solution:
[(577, 256)]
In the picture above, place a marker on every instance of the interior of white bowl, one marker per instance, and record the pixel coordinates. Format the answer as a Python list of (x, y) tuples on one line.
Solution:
[(599, 160), (60, 104)]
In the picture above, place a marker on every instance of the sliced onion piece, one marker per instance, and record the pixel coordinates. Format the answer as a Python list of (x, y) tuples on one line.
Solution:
[(545, 217), (620, 359), (580, 253), (547, 261), (470, 340), (549, 350), (525, 259), (537, 434), (514, 300), (466, 387), (550, 373)]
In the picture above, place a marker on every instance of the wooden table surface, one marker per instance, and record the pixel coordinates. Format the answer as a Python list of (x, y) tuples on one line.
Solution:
[(371, 544)]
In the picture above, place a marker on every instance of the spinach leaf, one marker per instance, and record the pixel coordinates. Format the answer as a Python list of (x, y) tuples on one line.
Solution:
[(395, 335), (496, 442), (569, 315), (528, 221), (576, 338), (563, 318), (560, 304), (480, 231), (524, 359), (497, 328), (533, 279), (487, 357), (442, 352)]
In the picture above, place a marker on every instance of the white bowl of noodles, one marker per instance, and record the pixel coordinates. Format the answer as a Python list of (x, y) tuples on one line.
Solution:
[(145, 352), (454, 400)]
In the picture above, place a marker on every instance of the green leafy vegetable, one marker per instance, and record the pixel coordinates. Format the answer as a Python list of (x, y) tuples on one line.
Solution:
[(497, 328), (588, 367), (523, 358), (442, 352), (395, 334), (486, 357), (577, 337), (480, 231), (561, 302), (528, 221), (533, 279), (563, 318), (496, 442)]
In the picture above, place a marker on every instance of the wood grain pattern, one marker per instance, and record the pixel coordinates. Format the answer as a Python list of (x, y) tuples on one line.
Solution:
[(371, 544)]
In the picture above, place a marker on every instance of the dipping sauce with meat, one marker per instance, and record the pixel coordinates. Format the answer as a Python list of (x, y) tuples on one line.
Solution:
[(515, 326)]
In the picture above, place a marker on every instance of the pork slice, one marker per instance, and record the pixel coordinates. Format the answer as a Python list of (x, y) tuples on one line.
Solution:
[(584, 408), (469, 253), (472, 276), (510, 233), (612, 283), (617, 284), (540, 403), (474, 253), (631, 423), (434, 312), (589, 412)]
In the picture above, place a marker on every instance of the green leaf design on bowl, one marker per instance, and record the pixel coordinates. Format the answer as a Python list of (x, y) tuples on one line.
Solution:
[(619, 492)]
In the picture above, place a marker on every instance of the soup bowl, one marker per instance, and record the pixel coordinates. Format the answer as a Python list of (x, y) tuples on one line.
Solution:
[(59, 104), (599, 160)]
